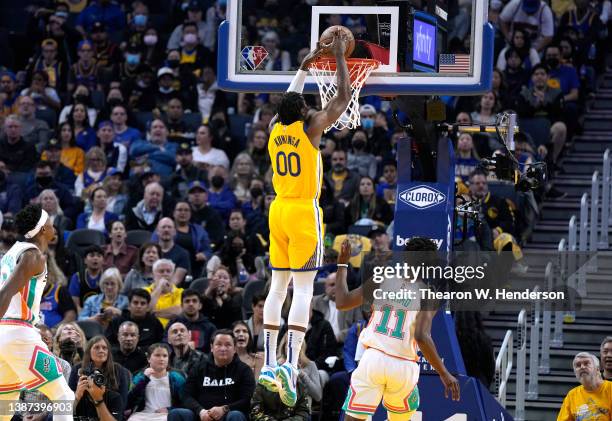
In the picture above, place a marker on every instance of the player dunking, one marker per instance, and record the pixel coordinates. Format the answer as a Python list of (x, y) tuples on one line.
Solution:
[(388, 369), (25, 360), (296, 221)]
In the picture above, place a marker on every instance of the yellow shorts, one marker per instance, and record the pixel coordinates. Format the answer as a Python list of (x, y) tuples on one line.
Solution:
[(296, 235), (382, 377)]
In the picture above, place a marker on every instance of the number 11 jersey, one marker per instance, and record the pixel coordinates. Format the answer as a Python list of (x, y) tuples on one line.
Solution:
[(392, 323)]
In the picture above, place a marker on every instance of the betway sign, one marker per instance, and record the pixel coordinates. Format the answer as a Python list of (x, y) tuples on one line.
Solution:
[(422, 197)]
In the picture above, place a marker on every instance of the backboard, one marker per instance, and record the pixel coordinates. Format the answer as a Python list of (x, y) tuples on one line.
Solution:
[(424, 48)]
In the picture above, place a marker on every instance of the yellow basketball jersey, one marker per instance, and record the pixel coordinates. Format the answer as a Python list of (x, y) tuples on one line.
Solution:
[(296, 164)]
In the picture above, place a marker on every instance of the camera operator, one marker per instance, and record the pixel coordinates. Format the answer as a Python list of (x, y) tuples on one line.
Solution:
[(100, 384), (94, 401), (496, 210)]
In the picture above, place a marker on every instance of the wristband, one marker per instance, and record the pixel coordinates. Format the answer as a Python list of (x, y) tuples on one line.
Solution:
[(97, 403), (342, 265), (297, 84)]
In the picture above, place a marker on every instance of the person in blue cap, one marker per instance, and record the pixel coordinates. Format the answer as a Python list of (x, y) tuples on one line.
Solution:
[(535, 17)]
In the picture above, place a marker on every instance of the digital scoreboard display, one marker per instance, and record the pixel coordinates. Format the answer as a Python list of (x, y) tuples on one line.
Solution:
[(424, 42)]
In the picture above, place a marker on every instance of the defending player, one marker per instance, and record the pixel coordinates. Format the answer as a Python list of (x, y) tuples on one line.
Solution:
[(25, 360), (296, 221), (388, 368)]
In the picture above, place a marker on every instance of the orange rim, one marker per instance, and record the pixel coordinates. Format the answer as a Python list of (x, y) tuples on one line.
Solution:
[(329, 63)]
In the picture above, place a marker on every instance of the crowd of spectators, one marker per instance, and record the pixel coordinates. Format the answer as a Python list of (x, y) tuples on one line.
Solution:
[(115, 124)]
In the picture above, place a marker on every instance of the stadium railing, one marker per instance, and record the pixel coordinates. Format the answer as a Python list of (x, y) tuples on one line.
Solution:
[(606, 185), (557, 336), (521, 365), (503, 367), (534, 347), (594, 228), (577, 254), (544, 366)]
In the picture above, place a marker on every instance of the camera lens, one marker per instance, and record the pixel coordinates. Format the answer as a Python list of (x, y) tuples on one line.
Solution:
[(98, 378)]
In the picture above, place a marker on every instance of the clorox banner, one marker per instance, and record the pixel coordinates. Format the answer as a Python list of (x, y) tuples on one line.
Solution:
[(421, 211), (424, 209), (422, 197)]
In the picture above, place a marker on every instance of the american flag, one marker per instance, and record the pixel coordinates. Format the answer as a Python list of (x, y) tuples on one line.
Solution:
[(454, 63)]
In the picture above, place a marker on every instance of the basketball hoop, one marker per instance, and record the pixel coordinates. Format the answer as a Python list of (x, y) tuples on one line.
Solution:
[(324, 72)]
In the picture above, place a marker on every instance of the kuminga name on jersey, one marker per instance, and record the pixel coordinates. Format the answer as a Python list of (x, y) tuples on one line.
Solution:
[(296, 164)]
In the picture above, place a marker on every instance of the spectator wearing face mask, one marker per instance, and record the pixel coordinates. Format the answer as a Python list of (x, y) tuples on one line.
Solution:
[(166, 90), (138, 20), (193, 53), (43, 179), (194, 14), (220, 195), (359, 159), (236, 258), (128, 67), (255, 205), (152, 49), (376, 128), (565, 78), (80, 96)]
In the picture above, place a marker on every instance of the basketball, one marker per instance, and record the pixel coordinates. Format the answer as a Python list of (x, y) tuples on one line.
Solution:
[(327, 37)]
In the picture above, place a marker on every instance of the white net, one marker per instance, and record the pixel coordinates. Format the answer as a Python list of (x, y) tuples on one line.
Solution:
[(324, 72)]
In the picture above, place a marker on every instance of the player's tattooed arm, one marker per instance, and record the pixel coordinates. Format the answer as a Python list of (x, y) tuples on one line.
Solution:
[(345, 299), (422, 335), (31, 263)]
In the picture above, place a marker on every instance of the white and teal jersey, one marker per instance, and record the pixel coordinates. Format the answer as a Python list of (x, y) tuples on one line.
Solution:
[(392, 323), (25, 305)]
